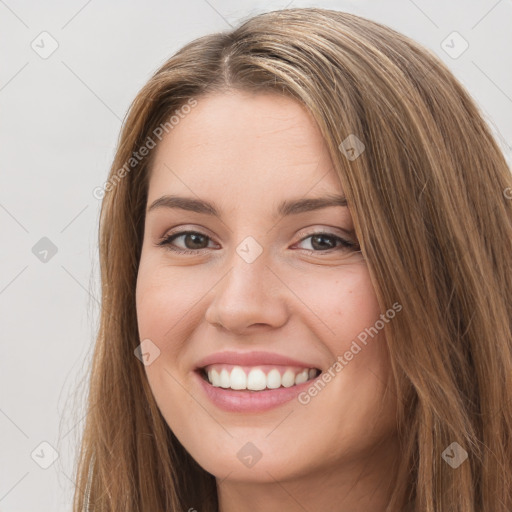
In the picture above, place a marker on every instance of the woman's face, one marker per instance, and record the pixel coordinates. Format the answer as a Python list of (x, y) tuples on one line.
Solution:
[(261, 293)]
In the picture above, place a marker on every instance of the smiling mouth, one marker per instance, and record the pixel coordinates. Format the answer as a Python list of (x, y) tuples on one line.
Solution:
[(256, 378)]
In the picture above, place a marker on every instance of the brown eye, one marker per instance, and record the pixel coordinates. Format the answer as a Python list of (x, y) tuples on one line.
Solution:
[(192, 240), (324, 242)]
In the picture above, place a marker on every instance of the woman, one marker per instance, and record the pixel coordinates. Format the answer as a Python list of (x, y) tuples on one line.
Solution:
[(307, 290)]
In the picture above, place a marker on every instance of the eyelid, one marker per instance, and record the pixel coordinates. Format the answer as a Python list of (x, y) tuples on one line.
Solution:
[(304, 232), (331, 230), (183, 229)]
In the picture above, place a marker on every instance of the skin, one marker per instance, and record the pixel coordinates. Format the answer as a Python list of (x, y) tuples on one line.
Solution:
[(309, 300)]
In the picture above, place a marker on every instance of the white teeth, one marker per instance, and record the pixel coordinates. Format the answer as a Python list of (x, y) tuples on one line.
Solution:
[(288, 379), (273, 379), (224, 378), (213, 376), (238, 378), (257, 380), (301, 377)]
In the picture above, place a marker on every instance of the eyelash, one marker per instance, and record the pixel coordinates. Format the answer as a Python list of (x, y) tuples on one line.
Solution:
[(167, 240)]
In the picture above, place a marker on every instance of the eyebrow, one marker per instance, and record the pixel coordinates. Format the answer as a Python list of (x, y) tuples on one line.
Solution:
[(288, 207)]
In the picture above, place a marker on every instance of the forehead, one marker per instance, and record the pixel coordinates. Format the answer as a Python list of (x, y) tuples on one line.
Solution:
[(231, 141)]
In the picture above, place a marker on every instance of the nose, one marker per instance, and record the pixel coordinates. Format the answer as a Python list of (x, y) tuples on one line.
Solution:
[(249, 296)]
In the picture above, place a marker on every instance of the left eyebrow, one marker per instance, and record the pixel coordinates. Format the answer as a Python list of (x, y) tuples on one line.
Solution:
[(292, 207), (288, 207)]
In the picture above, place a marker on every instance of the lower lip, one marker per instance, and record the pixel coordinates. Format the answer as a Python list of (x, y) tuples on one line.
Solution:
[(251, 401)]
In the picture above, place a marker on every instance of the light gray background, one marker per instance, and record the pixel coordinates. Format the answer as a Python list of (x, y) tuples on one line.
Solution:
[(59, 122)]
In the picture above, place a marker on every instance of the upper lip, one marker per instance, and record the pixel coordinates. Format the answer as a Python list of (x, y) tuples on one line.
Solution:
[(254, 358)]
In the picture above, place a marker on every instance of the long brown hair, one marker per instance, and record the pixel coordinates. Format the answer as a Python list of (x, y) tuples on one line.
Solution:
[(429, 196)]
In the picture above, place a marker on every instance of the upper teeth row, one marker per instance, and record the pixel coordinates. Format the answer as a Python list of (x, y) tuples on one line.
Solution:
[(257, 379)]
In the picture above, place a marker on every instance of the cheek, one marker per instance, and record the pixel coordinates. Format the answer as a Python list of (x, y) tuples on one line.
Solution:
[(346, 313), (165, 299), (343, 302)]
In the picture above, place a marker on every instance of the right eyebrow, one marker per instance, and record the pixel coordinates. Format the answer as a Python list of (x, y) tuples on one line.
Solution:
[(184, 203)]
